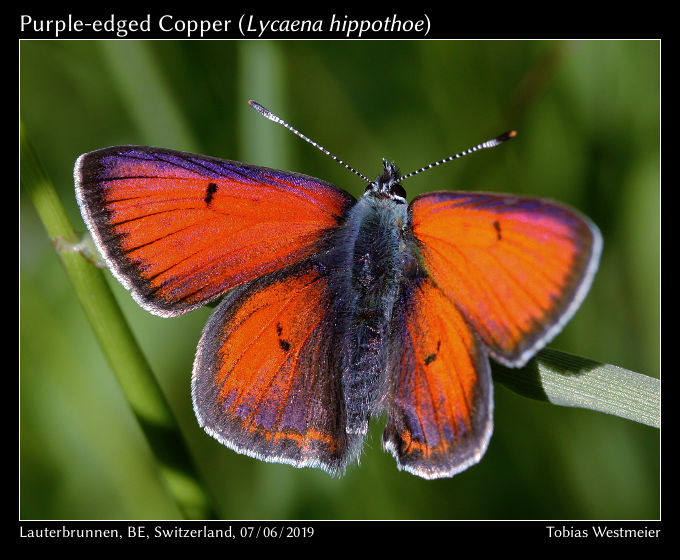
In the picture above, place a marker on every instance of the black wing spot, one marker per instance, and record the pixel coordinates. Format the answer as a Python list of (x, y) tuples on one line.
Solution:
[(497, 227), (212, 189), (284, 344), (432, 357)]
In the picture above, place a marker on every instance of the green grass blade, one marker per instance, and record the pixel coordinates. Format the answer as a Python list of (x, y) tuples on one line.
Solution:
[(567, 380), (119, 345)]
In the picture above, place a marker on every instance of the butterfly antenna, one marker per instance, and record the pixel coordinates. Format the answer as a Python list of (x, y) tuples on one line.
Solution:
[(272, 117), (488, 144)]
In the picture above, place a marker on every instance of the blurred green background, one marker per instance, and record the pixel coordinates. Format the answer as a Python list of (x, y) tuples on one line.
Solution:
[(588, 118)]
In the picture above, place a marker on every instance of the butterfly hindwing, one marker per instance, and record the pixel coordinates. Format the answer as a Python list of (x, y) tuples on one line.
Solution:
[(266, 381), (516, 268), (440, 401), (180, 229)]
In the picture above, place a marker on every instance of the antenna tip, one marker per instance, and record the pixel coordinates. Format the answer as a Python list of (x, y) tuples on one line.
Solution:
[(503, 137), (500, 139), (259, 108)]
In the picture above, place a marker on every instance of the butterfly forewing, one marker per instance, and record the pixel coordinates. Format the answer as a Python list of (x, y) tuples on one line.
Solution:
[(180, 229), (516, 268)]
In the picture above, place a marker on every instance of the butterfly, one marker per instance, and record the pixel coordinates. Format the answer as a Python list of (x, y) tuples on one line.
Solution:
[(334, 309)]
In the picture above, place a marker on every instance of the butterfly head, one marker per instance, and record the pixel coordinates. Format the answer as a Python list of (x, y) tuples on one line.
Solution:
[(387, 184)]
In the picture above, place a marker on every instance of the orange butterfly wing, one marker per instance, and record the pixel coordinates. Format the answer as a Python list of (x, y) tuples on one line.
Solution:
[(179, 229), (266, 379), (516, 268), (440, 404)]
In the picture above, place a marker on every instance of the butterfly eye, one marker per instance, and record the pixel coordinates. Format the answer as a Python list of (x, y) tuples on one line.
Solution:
[(398, 190)]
